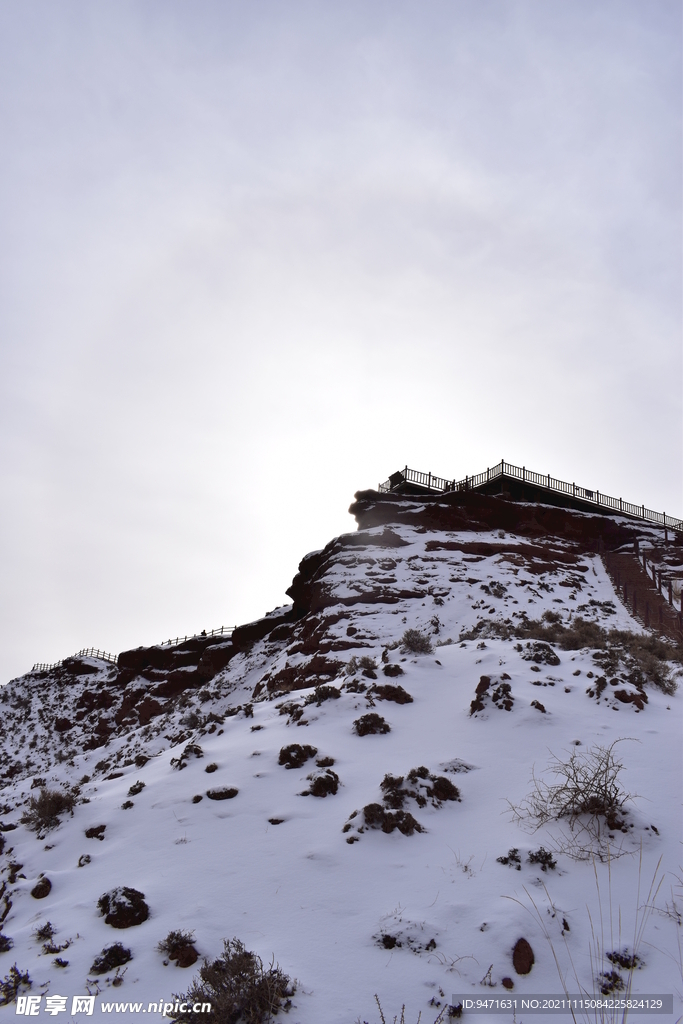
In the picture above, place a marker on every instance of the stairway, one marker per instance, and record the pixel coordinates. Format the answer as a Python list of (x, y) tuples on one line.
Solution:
[(642, 596)]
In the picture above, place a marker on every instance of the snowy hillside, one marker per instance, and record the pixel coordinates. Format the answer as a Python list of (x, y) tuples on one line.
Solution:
[(473, 644)]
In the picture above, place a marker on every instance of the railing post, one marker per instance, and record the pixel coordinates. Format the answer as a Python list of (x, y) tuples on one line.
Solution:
[(548, 481), (523, 473), (671, 593), (597, 497), (573, 490)]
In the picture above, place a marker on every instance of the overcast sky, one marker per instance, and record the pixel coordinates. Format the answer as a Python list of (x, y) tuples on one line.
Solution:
[(255, 256)]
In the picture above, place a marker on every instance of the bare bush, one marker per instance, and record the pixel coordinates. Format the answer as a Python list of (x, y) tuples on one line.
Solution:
[(238, 988), (587, 796)]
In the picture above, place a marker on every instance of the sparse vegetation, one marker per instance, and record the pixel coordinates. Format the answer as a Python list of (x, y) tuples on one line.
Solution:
[(136, 788), (238, 988), (44, 810), (377, 816), (512, 859), (12, 984), (416, 642), (295, 755), (540, 653), (224, 793), (323, 783), (123, 907), (179, 946), (371, 724), (588, 796), (543, 858), (191, 750), (110, 958), (643, 657), (390, 692)]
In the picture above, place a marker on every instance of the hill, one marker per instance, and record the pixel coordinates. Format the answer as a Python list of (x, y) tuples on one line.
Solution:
[(385, 786)]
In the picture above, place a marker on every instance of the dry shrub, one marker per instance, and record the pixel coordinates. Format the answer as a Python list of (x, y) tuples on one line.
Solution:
[(323, 693), (238, 987), (123, 907), (110, 958), (419, 785), (11, 985), (377, 817), (191, 750), (45, 932), (390, 692), (368, 725), (179, 946), (588, 796), (296, 754), (416, 642), (323, 783), (44, 810)]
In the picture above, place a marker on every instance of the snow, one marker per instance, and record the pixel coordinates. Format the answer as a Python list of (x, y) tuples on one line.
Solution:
[(299, 891)]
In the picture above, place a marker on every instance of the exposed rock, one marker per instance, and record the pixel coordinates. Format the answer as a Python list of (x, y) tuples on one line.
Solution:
[(148, 709), (42, 888), (522, 957)]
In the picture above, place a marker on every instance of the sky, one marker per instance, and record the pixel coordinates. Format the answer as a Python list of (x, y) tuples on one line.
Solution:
[(255, 257)]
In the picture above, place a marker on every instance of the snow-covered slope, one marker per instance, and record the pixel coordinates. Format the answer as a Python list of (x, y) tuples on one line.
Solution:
[(516, 605)]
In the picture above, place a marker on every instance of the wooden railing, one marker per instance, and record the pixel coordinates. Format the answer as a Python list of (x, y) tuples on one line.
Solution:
[(93, 652), (505, 469), (221, 631), (87, 652)]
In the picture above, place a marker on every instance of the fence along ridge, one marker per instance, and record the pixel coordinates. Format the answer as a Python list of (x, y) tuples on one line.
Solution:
[(94, 652), (550, 483)]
